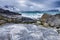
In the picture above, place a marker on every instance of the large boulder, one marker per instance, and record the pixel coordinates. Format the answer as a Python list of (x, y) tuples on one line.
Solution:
[(44, 18), (51, 20)]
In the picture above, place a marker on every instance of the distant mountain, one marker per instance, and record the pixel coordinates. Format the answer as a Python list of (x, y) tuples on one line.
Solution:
[(31, 11), (56, 10), (10, 8), (7, 12)]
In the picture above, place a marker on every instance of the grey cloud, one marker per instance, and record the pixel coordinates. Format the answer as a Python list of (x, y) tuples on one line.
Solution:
[(32, 4)]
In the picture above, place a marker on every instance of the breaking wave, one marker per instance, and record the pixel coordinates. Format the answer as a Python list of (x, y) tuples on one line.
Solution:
[(32, 15)]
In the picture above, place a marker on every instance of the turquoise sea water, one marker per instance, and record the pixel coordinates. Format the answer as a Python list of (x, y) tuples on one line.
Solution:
[(37, 15)]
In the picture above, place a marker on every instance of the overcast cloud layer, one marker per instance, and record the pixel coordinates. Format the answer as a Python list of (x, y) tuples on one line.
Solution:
[(32, 4)]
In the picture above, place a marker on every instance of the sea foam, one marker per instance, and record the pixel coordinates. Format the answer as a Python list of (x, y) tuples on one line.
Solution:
[(32, 15), (27, 32)]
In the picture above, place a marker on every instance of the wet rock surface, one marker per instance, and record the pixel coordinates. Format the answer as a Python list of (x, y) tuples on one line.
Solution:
[(51, 20)]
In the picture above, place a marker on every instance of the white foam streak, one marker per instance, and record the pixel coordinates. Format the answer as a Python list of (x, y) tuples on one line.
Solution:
[(27, 32), (35, 16)]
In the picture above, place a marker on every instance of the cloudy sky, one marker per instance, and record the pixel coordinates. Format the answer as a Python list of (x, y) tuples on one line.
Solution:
[(29, 5)]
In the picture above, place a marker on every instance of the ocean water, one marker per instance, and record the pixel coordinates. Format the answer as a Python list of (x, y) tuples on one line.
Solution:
[(37, 15), (27, 32), (32, 15)]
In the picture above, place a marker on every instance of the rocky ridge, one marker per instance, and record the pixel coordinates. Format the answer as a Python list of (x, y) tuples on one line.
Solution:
[(7, 16)]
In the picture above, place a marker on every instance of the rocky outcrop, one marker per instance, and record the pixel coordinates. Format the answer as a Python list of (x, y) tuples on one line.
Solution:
[(51, 20), (13, 17), (44, 19), (8, 16)]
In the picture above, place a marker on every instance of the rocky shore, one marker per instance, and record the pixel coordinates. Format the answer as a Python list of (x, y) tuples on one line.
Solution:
[(17, 27), (47, 20), (7, 16)]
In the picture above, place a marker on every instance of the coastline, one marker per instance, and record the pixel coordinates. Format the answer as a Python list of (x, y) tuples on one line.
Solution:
[(15, 26)]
